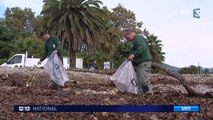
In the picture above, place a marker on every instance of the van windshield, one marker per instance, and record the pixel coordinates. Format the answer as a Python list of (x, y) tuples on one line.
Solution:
[(15, 59)]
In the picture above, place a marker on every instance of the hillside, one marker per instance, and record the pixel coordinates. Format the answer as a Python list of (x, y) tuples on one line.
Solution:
[(172, 68)]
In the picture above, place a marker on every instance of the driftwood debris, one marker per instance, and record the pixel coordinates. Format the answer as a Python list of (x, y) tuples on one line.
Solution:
[(104, 72), (183, 81), (191, 91)]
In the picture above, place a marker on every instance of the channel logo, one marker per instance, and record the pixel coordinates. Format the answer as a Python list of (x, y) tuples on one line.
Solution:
[(196, 13)]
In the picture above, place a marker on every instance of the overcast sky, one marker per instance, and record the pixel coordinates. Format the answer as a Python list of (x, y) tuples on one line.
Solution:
[(187, 40)]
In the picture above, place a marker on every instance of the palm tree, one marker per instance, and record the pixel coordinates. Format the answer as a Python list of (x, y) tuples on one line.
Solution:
[(155, 47), (75, 22), (109, 39)]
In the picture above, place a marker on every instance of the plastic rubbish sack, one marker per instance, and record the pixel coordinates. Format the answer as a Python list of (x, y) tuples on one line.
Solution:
[(125, 78), (55, 70)]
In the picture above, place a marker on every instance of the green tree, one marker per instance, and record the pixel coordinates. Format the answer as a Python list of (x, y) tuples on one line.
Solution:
[(123, 19), (5, 49), (37, 25), (107, 42), (5, 34), (121, 53), (75, 22), (16, 33), (19, 20), (155, 47), (5, 37), (32, 45), (206, 71), (99, 57), (109, 38), (189, 70)]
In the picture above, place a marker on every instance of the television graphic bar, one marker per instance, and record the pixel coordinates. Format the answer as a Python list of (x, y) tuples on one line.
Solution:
[(186, 108), (106, 108)]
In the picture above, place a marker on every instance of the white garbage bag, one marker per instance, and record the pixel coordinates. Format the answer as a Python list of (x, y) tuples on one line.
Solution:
[(125, 78), (55, 70)]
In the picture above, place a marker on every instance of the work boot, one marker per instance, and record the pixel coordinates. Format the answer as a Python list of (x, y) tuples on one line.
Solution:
[(54, 86), (149, 93)]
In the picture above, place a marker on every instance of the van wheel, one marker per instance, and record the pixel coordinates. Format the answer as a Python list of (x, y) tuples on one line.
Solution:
[(16, 66)]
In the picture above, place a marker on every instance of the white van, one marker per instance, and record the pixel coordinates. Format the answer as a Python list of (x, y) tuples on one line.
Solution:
[(21, 60)]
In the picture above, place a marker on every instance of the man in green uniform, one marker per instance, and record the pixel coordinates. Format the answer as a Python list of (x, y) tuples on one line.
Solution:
[(141, 60), (52, 45)]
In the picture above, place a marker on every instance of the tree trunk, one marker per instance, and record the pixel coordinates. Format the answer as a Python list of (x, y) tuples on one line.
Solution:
[(72, 56), (191, 92)]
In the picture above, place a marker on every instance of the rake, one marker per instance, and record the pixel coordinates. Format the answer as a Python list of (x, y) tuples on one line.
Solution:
[(30, 80)]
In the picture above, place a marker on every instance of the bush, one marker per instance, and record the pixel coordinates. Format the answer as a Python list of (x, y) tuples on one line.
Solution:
[(2, 60)]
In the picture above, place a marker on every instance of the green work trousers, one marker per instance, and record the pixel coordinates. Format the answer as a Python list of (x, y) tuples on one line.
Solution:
[(143, 70)]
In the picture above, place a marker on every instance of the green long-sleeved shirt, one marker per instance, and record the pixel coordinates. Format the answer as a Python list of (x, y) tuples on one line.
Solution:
[(52, 44), (139, 48)]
